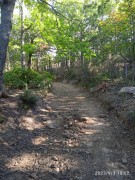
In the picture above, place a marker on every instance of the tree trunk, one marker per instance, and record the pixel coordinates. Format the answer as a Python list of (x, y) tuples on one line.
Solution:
[(81, 55), (7, 68), (37, 63), (5, 29), (49, 63), (22, 34), (30, 60)]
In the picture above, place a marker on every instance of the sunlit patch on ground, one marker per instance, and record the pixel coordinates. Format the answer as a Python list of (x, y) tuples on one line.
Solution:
[(39, 140), (53, 163), (30, 123), (94, 121), (71, 143), (80, 97), (43, 110), (22, 162), (89, 132)]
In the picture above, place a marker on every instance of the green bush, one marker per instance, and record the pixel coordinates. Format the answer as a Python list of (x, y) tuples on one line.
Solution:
[(21, 78), (28, 98)]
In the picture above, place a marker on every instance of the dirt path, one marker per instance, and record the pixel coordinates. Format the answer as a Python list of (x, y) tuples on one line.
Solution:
[(69, 137)]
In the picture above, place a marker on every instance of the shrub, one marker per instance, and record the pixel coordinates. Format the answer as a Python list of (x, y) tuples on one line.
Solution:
[(13, 79), (21, 78), (28, 98)]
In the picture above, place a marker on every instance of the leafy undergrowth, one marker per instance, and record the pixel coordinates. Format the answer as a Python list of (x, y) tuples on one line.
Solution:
[(19, 78), (28, 99)]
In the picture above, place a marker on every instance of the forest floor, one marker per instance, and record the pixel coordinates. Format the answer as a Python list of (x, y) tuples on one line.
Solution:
[(122, 105), (68, 136)]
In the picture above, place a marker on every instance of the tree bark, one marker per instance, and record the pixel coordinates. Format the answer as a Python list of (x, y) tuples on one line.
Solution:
[(30, 61), (22, 33), (5, 29)]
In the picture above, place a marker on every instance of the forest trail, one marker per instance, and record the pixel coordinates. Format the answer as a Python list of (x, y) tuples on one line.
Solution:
[(71, 137)]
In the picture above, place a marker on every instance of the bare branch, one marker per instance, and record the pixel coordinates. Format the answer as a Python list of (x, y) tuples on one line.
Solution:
[(124, 58), (26, 29), (57, 12)]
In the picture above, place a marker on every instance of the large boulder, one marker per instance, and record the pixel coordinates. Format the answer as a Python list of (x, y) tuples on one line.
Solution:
[(129, 90)]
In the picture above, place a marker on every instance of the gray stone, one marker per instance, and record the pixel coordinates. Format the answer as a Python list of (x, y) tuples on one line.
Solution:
[(66, 126), (75, 136), (70, 124), (34, 175), (51, 126), (129, 90), (124, 160)]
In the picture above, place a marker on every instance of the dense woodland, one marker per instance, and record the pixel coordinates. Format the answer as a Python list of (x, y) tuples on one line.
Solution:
[(90, 41), (67, 89)]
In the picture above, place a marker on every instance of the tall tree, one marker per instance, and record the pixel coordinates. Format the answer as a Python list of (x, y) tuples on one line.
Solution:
[(7, 7)]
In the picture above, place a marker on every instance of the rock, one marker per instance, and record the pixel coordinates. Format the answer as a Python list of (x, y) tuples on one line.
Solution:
[(34, 175), (54, 158), (48, 108), (53, 166), (84, 119), (75, 136), (44, 122), (57, 170), (129, 90), (51, 126), (66, 126), (124, 160), (70, 124)]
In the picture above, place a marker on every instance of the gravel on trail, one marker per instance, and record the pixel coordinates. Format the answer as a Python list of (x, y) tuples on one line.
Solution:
[(68, 136)]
